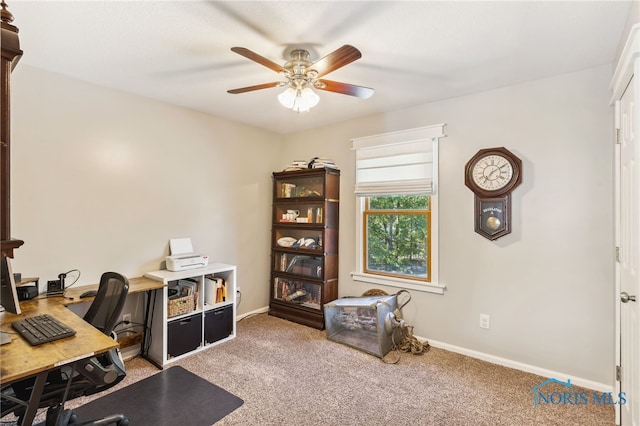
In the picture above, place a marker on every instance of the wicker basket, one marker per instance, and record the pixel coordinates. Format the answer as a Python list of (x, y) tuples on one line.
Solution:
[(180, 305)]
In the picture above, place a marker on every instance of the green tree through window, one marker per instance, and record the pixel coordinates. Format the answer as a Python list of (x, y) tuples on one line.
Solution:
[(397, 236)]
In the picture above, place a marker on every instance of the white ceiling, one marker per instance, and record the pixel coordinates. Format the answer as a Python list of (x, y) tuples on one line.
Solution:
[(413, 52)]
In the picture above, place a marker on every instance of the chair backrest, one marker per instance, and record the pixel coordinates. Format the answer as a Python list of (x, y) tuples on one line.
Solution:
[(106, 308)]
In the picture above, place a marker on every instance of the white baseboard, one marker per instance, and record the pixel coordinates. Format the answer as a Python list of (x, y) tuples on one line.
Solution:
[(578, 381), (257, 311), (130, 352)]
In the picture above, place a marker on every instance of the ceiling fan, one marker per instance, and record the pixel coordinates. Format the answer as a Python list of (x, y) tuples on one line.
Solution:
[(303, 75)]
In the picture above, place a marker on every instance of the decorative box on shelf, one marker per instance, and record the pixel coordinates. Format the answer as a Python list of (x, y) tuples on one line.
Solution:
[(180, 305), (183, 297)]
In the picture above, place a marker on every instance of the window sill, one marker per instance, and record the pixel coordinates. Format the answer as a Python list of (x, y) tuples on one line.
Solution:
[(398, 282)]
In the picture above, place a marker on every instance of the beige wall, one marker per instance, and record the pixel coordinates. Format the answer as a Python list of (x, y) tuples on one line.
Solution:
[(548, 286), (103, 179)]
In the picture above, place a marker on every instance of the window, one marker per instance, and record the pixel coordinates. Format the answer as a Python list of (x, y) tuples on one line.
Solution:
[(397, 231), (397, 215)]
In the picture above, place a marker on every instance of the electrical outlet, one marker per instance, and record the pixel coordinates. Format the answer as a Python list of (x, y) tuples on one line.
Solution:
[(126, 318), (484, 321)]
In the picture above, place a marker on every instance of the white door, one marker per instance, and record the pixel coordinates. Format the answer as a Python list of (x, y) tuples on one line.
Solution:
[(629, 254)]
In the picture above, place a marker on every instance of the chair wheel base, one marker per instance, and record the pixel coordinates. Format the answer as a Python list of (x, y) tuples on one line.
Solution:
[(58, 416), (70, 418)]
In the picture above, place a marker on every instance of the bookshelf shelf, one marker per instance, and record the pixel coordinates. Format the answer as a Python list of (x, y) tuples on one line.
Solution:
[(304, 244), (210, 321)]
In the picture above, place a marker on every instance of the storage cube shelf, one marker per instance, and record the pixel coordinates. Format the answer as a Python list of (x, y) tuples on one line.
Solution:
[(197, 309), (304, 247)]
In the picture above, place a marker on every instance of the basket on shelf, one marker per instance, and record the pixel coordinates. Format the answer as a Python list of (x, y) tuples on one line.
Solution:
[(180, 305)]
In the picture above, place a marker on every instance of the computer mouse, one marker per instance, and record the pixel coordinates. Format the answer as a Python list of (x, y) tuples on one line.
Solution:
[(88, 293)]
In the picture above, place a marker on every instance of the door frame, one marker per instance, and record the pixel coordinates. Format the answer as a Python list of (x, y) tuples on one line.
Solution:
[(616, 200), (628, 66)]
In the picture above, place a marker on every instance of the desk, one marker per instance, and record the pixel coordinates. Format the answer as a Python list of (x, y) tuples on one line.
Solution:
[(21, 360), (136, 285)]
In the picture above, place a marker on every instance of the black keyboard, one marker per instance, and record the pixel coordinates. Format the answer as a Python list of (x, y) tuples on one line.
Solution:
[(42, 329)]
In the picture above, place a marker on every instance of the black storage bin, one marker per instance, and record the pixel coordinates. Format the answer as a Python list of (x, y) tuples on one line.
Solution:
[(218, 324), (184, 335)]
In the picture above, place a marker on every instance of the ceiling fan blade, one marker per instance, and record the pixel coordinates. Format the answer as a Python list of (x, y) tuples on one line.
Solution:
[(346, 89), (259, 59), (334, 60), (256, 87)]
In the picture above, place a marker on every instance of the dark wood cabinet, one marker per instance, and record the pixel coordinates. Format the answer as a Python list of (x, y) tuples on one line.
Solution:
[(11, 54), (304, 244)]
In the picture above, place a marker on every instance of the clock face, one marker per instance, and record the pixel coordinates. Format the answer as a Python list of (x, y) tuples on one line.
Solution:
[(492, 172)]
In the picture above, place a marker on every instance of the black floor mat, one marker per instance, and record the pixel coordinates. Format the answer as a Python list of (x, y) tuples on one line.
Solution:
[(172, 397)]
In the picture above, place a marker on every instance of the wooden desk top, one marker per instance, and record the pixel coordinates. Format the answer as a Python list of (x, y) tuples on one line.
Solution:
[(136, 285), (19, 359)]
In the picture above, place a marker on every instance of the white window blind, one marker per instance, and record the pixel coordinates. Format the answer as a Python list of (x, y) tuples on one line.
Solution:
[(397, 163)]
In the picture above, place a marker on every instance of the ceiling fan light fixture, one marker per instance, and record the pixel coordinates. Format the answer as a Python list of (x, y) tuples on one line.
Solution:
[(300, 100), (310, 97), (287, 98)]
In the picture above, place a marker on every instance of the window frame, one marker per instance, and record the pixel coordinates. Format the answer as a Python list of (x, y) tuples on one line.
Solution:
[(367, 212), (433, 286), (360, 274)]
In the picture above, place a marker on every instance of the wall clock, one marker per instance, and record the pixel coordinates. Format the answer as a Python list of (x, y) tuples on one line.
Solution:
[(492, 174)]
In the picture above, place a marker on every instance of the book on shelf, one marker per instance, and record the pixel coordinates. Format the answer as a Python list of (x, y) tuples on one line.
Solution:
[(288, 190), (221, 291), (305, 265), (186, 287), (218, 289), (296, 165), (320, 163)]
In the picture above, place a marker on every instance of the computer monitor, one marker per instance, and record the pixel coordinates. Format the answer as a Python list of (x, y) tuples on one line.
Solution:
[(8, 293)]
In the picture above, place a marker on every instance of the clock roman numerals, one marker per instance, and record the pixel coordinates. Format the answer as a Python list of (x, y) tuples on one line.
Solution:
[(492, 172)]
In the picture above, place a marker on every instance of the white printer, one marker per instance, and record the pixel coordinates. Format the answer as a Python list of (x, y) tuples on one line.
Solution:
[(181, 262), (182, 256)]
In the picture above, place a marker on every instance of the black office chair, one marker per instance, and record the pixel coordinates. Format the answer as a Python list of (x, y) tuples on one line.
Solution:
[(88, 376)]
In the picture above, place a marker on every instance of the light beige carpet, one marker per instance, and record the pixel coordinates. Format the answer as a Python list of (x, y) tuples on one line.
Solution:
[(289, 374)]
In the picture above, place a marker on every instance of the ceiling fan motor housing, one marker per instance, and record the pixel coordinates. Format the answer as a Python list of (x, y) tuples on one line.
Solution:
[(299, 76)]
